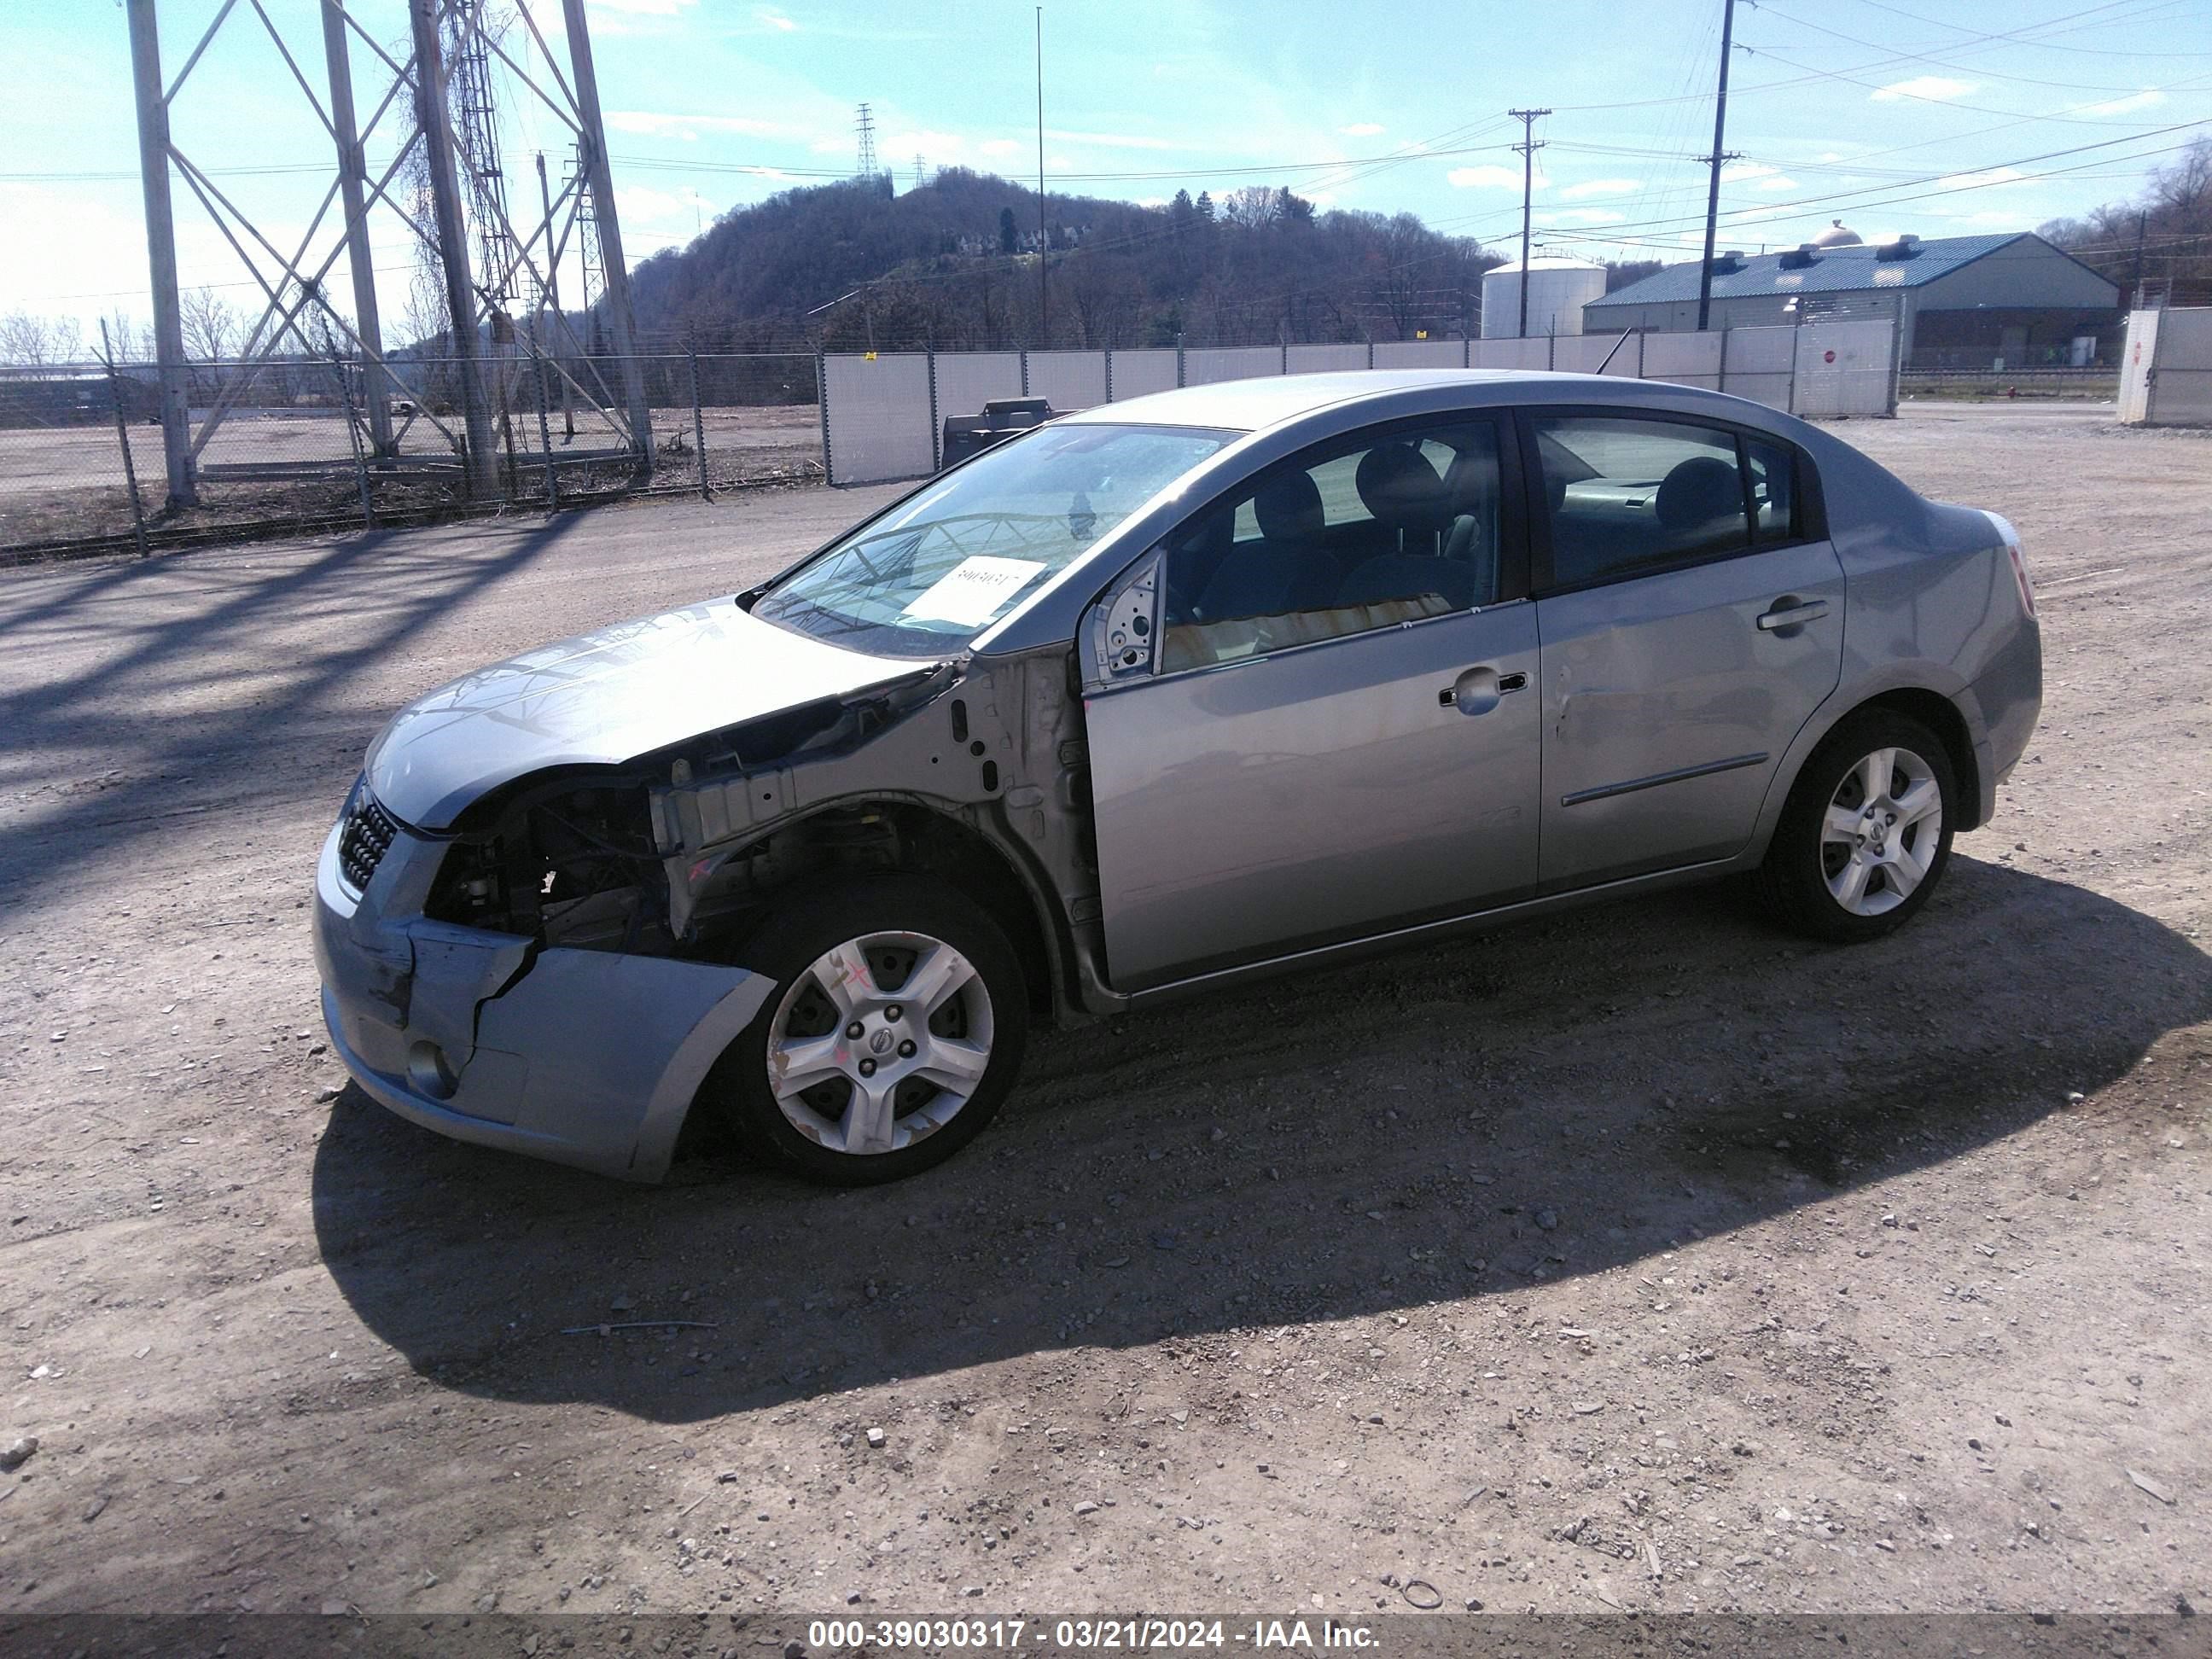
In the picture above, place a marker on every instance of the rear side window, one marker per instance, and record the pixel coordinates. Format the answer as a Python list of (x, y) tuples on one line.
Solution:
[(1625, 495)]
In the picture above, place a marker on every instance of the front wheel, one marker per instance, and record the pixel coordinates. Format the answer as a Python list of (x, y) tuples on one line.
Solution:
[(895, 1032), (1866, 833)]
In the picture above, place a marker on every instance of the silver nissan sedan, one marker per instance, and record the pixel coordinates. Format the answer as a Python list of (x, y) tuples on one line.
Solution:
[(1158, 697)]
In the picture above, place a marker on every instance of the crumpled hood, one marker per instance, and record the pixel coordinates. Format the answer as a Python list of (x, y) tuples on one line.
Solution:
[(603, 698)]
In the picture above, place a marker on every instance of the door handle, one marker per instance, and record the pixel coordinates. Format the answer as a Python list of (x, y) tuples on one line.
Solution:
[(1477, 690), (1791, 612)]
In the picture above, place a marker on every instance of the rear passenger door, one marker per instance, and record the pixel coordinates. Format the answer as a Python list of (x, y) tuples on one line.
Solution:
[(1690, 614)]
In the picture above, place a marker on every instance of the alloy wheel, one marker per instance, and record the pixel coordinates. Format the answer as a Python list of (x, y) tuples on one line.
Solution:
[(879, 1043), (1882, 832)]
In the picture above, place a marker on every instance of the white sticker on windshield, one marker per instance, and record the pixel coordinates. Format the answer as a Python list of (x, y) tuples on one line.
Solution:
[(971, 593)]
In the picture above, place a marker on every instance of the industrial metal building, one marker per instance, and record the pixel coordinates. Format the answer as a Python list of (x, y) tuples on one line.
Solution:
[(1964, 302)]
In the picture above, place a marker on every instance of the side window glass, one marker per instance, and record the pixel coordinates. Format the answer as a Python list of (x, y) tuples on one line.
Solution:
[(1626, 495), (1369, 533), (1773, 491)]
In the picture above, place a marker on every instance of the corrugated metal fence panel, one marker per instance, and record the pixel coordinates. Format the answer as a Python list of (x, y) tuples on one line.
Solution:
[(1843, 369), (1758, 364), (1421, 354), (966, 381), (1067, 379), (1204, 365), (1581, 354), (1511, 354), (876, 409), (2181, 390), (1327, 359), (1684, 359), (1138, 372)]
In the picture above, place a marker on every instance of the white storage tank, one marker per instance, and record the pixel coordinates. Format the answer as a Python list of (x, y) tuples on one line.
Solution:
[(1558, 291)]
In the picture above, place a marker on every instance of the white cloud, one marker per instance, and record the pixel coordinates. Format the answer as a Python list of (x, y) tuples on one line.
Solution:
[(644, 8), (1361, 130), (2147, 98), (769, 18), (1583, 216), (1737, 172), (1987, 177), (1488, 176), (1774, 185), (1000, 147), (1934, 88), (1590, 187)]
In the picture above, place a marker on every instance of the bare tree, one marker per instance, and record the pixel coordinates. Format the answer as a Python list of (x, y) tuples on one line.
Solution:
[(210, 325), (1254, 207), (26, 339)]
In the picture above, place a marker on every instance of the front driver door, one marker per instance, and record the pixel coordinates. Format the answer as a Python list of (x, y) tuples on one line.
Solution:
[(1333, 731)]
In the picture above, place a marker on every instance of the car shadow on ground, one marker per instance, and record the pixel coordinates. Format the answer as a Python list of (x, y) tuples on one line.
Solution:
[(1555, 1099), (140, 653)]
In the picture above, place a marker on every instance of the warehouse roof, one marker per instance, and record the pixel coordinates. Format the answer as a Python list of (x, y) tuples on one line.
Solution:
[(1822, 271)]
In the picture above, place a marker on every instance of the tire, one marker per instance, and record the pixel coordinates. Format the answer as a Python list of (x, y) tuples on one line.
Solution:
[(942, 1086), (1892, 862)]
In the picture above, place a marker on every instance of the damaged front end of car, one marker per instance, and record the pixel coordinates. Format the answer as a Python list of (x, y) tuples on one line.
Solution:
[(557, 970)]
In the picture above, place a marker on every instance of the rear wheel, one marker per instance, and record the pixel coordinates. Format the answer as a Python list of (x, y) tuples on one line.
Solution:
[(1866, 834), (895, 1032)]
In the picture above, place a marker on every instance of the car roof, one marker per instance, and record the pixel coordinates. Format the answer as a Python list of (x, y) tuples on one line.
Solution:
[(1255, 404)]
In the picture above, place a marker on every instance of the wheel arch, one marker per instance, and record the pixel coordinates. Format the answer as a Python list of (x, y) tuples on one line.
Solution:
[(945, 844), (1946, 714)]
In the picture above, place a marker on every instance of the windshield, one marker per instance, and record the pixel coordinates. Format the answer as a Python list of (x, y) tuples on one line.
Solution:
[(940, 568)]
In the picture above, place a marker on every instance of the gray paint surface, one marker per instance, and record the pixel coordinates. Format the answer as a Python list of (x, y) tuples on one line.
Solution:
[(1318, 799), (601, 699)]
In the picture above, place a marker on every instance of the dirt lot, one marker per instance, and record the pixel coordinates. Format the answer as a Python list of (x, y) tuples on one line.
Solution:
[(1643, 1259), (59, 483)]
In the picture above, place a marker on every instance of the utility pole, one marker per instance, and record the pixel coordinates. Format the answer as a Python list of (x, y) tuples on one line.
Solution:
[(615, 274), (161, 251), (452, 243), (1713, 184), (1527, 148), (2134, 283), (1044, 293), (353, 178)]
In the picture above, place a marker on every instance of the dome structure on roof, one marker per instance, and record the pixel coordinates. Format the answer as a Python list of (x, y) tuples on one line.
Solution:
[(1837, 234)]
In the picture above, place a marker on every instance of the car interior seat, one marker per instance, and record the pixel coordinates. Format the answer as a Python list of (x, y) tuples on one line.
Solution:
[(1400, 488), (1289, 568), (1698, 499)]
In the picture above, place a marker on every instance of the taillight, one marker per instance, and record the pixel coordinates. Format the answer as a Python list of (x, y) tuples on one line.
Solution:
[(2020, 576)]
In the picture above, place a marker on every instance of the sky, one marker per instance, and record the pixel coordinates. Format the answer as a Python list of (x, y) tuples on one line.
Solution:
[(1937, 117)]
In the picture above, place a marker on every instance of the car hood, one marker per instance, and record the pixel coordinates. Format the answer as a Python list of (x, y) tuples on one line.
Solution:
[(605, 698)]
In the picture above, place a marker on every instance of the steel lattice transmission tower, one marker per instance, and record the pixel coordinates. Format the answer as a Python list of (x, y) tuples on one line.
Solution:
[(449, 79), (475, 135), (865, 126)]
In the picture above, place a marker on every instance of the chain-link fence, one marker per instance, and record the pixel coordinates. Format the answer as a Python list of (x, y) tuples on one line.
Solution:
[(314, 445)]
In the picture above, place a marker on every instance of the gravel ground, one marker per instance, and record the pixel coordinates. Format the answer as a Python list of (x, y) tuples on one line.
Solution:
[(1642, 1257)]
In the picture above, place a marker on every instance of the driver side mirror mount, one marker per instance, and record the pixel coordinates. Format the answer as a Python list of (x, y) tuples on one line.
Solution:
[(1122, 631)]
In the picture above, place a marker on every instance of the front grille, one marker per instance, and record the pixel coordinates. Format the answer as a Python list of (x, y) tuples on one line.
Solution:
[(367, 836)]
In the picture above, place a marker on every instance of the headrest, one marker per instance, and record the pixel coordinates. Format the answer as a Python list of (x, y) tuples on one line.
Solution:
[(1699, 490), (1289, 508), (1400, 488), (1471, 485)]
